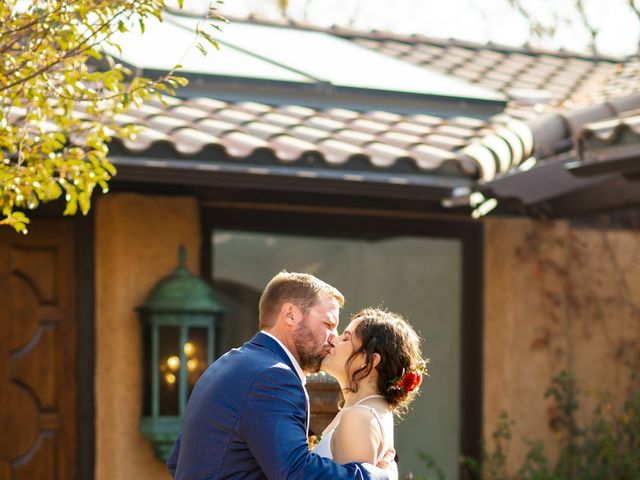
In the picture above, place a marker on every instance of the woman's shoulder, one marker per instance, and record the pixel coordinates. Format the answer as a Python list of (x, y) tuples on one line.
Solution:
[(359, 418), (358, 437)]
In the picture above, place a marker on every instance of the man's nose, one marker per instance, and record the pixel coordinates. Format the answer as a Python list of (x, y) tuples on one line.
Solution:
[(333, 334)]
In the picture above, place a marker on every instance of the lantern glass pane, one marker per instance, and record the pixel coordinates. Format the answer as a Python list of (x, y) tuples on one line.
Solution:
[(169, 369), (146, 370), (196, 354)]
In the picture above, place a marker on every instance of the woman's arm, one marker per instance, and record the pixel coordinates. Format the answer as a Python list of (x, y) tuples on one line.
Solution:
[(357, 438)]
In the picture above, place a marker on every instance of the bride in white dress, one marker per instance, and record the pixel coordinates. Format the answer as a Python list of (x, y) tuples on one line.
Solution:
[(379, 366)]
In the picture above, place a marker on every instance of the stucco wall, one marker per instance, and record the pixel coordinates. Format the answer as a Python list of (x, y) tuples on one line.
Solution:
[(136, 245), (556, 297)]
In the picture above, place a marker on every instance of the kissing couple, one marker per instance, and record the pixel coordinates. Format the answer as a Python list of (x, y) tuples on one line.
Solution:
[(248, 415)]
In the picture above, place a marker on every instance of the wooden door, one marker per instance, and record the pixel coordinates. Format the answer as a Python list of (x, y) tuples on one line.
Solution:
[(37, 353)]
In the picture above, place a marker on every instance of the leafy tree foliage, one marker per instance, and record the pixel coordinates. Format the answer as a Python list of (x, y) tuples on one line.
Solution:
[(59, 96)]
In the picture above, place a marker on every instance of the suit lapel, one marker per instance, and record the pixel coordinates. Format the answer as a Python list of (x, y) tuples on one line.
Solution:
[(266, 341), (262, 340)]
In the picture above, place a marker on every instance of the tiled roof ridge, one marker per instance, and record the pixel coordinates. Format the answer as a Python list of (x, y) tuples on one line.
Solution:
[(609, 131), (343, 31)]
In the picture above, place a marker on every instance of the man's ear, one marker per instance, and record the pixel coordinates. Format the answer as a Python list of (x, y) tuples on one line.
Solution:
[(288, 312)]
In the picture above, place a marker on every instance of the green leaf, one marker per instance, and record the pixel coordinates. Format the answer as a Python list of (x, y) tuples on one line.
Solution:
[(84, 200), (72, 205), (202, 49)]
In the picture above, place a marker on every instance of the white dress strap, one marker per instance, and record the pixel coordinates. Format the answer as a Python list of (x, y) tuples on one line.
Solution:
[(367, 398)]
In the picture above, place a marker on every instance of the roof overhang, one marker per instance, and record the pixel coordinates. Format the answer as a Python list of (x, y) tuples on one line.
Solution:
[(552, 190), (254, 174)]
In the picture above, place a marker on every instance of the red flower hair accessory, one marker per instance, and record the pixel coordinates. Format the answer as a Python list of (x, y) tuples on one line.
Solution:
[(409, 380)]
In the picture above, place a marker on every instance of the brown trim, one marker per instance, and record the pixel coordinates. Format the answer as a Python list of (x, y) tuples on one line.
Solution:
[(85, 369), (160, 167), (330, 222), (472, 345), (335, 210)]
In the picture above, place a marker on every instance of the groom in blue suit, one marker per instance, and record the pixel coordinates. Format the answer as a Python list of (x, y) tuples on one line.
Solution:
[(248, 415)]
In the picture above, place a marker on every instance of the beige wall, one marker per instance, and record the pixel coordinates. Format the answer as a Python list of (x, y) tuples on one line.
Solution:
[(136, 245), (556, 297)]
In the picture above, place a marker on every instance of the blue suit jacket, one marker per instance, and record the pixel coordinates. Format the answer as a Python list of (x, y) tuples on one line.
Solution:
[(246, 419)]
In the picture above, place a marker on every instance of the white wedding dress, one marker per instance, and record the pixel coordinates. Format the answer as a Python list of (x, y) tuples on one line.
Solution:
[(323, 448)]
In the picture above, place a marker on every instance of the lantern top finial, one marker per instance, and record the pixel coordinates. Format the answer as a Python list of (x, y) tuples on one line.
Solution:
[(182, 257), (182, 292)]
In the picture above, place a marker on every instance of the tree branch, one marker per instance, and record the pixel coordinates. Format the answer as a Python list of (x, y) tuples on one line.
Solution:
[(593, 31), (77, 50)]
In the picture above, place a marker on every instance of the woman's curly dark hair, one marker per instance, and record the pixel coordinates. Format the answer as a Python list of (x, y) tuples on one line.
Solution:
[(397, 343)]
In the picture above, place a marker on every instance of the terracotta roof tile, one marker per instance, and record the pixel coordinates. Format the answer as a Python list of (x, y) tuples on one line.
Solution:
[(368, 126), (493, 84), (468, 122), (412, 128), (463, 53), (501, 151), (341, 114), (143, 111), (164, 122), (500, 68), (207, 104), (429, 157), (309, 134), (324, 123), (356, 137), (398, 139), (190, 141), (234, 116), (214, 127), (124, 119), (240, 144), (262, 129), (428, 120), (144, 139), (516, 147), (422, 59), (337, 152), (188, 113), (383, 155), (297, 111), (445, 142), (384, 117), (290, 148), (253, 107), (483, 158), (455, 131), (471, 68), (399, 47), (467, 74), (280, 119)]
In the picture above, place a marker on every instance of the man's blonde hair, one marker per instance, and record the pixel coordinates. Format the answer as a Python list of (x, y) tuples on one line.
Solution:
[(300, 289)]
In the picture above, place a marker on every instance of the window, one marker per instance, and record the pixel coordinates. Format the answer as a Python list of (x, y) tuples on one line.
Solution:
[(417, 275)]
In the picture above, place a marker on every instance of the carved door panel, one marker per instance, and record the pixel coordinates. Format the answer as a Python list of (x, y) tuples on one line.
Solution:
[(37, 353)]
